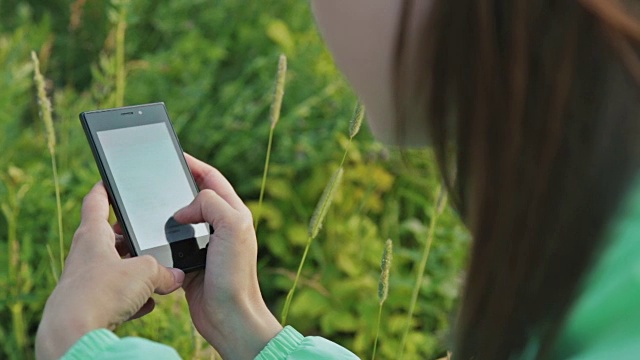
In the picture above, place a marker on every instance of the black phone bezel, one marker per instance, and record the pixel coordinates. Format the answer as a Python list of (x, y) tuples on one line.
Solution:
[(130, 116)]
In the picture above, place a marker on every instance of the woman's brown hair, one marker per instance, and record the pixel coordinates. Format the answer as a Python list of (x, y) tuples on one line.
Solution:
[(533, 105)]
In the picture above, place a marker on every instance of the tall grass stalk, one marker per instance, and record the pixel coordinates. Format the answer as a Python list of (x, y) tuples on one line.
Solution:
[(314, 228), (274, 116), (45, 113), (121, 29), (317, 219), (383, 287), (436, 211)]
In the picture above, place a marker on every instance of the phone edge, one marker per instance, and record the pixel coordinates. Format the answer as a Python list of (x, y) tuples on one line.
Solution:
[(106, 183)]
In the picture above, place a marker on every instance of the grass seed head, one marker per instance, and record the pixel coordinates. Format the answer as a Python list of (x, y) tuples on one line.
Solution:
[(44, 103), (278, 92), (385, 266), (325, 202), (356, 120)]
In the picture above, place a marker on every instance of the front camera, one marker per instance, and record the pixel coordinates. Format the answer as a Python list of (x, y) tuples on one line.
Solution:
[(139, 112)]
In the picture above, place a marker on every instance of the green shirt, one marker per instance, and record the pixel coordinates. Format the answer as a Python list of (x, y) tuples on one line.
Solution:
[(102, 344), (604, 323)]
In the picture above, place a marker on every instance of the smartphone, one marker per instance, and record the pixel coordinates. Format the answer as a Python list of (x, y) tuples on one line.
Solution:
[(147, 178)]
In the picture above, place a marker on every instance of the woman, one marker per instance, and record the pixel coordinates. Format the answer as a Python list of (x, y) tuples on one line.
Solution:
[(532, 109)]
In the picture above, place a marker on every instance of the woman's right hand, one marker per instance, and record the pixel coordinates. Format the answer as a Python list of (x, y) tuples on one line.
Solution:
[(224, 299)]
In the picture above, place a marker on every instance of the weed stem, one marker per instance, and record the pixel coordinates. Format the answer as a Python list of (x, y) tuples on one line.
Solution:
[(346, 151), (45, 113), (121, 29), (276, 106), (264, 180), (56, 183), (287, 303), (438, 206), (375, 343)]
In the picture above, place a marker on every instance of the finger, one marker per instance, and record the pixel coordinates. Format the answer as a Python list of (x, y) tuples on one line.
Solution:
[(117, 228), (209, 207), (94, 236), (169, 280), (95, 206), (122, 246), (193, 279), (192, 282), (144, 310), (208, 177), (164, 280)]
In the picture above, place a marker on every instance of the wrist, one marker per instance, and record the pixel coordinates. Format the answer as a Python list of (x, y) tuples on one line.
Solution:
[(57, 333), (53, 343), (243, 333)]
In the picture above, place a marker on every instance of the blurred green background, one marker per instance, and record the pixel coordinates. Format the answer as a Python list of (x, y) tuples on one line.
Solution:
[(213, 63)]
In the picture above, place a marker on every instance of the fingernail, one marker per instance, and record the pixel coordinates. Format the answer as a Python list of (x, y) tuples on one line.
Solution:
[(178, 275)]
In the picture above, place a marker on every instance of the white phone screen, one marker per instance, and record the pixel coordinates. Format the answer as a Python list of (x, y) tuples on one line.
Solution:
[(151, 182)]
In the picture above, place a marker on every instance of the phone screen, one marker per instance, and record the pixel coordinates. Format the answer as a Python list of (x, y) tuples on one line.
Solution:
[(151, 182)]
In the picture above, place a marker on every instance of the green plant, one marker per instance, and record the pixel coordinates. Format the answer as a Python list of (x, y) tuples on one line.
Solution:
[(18, 184)]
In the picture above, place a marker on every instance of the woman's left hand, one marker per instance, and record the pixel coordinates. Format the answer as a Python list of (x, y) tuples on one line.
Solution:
[(99, 289)]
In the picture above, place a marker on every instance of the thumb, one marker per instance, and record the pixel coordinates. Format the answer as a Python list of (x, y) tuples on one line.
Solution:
[(163, 280), (208, 207)]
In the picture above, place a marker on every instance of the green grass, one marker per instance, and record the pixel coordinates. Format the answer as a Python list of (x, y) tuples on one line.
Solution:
[(213, 65)]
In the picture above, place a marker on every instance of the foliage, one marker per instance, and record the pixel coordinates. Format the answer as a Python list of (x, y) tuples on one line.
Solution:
[(213, 64)]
